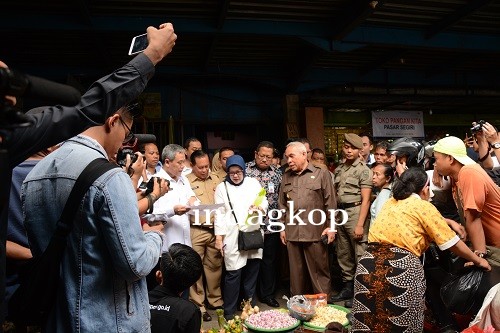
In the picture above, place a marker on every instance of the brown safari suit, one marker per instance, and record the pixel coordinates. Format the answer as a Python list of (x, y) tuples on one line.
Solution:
[(307, 255), (203, 242)]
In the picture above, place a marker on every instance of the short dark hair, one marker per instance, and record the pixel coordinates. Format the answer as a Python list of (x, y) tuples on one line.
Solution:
[(382, 144), (304, 141), (368, 136), (318, 151), (180, 267), (142, 146), (276, 153), (132, 110), (411, 181), (388, 170), (189, 140), (223, 149), (266, 144), (197, 154)]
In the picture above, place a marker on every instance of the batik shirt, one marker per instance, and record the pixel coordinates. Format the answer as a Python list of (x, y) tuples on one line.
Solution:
[(270, 180)]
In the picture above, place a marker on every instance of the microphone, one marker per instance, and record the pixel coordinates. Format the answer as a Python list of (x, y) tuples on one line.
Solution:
[(51, 91), (145, 138), (16, 84)]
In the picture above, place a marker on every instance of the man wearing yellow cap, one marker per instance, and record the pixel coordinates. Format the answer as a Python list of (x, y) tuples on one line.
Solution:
[(475, 193), (353, 183)]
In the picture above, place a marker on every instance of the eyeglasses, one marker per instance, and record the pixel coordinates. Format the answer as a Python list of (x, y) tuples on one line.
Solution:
[(264, 157), (129, 136), (237, 173)]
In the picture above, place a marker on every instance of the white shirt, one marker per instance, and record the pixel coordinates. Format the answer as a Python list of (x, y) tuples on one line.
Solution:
[(186, 171), (496, 164), (377, 204), (177, 228)]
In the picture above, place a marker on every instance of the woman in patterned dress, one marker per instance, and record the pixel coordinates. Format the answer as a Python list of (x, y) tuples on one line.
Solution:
[(390, 283)]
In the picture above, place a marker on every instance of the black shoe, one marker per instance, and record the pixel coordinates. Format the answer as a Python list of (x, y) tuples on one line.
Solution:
[(348, 303), (271, 302), (343, 295), (346, 293), (206, 317)]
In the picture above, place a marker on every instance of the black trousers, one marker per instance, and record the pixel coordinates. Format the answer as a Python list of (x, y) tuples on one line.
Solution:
[(269, 266), (247, 276)]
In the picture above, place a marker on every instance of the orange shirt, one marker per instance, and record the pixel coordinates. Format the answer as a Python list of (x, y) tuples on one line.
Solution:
[(477, 191)]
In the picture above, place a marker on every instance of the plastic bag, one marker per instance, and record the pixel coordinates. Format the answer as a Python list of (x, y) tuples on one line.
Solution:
[(476, 329), (459, 293)]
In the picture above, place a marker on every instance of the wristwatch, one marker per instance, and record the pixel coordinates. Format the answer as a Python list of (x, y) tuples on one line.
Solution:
[(496, 145)]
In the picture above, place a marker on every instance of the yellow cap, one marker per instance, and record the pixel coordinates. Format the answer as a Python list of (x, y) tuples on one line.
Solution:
[(455, 147)]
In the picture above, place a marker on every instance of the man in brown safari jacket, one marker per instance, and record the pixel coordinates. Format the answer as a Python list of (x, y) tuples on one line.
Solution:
[(306, 194)]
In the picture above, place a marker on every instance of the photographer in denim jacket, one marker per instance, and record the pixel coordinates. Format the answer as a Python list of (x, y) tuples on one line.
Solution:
[(108, 255)]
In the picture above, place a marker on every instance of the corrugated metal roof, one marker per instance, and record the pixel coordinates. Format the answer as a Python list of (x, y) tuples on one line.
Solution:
[(294, 46)]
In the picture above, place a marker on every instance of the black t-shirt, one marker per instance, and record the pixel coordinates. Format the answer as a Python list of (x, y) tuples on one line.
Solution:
[(172, 314)]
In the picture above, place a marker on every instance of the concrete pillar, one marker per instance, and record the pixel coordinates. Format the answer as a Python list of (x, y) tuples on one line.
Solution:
[(315, 129)]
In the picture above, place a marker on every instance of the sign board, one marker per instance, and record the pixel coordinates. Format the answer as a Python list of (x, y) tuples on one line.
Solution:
[(395, 124), (151, 103)]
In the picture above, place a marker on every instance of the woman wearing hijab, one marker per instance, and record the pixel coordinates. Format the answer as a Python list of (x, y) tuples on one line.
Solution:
[(389, 283), (238, 194)]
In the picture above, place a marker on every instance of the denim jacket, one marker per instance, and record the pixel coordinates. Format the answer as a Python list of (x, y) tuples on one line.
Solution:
[(102, 286)]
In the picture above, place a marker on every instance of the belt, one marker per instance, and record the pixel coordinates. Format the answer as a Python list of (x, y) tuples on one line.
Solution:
[(209, 229), (349, 204)]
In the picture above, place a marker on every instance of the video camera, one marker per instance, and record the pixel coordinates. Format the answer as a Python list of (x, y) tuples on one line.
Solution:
[(478, 127)]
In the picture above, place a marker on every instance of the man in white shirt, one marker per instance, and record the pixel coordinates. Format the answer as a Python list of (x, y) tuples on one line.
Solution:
[(176, 203), (366, 152)]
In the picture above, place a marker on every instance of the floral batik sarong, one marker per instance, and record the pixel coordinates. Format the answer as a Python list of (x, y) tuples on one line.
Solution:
[(389, 290)]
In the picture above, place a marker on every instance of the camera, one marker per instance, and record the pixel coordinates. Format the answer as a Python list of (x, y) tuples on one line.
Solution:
[(478, 127), (148, 187), (121, 156)]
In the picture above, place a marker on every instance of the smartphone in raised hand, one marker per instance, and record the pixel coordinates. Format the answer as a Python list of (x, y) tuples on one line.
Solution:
[(139, 44)]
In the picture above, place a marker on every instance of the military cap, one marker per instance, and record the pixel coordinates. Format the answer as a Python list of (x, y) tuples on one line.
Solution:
[(354, 140)]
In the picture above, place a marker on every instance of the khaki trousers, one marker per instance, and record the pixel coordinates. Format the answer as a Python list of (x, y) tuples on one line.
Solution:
[(349, 250), (203, 242)]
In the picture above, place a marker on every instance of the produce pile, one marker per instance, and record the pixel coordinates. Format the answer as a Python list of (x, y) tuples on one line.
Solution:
[(271, 319), (327, 314), (234, 325), (248, 310)]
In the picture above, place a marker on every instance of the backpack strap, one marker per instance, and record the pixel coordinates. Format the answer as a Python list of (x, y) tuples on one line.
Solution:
[(92, 171)]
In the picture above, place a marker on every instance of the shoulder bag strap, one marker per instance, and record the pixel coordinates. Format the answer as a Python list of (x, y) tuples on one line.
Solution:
[(94, 170), (231, 205)]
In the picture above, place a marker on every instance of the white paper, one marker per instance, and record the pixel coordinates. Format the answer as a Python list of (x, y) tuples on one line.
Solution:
[(203, 208)]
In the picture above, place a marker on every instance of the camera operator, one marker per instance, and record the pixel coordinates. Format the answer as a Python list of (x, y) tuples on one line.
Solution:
[(58, 123), (488, 140), (154, 189), (134, 164)]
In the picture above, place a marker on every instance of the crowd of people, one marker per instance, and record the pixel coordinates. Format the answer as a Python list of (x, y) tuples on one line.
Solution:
[(143, 256)]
